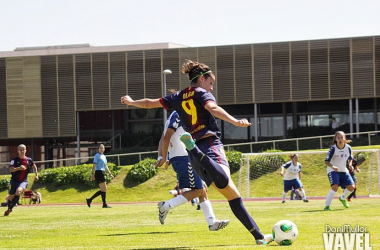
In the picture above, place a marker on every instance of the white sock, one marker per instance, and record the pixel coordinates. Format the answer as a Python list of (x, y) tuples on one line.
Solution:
[(346, 193), (208, 212), (303, 194), (283, 196), (330, 197), (175, 202)]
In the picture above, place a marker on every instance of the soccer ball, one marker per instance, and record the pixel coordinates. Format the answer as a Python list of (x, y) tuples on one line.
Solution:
[(285, 232)]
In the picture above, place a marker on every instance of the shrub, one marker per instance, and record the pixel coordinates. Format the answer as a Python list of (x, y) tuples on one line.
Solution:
[(4, 183), (361, 157), (76, 174), (234, 160), (142, 171), (260, 165)]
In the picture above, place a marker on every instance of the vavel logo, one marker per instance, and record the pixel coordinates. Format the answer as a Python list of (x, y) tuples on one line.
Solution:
[(346, 237)]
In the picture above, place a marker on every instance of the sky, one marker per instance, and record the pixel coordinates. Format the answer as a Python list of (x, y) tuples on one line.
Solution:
[(30, 23)]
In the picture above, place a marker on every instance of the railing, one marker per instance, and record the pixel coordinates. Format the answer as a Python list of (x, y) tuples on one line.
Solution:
[(274, 143), (113, 139), (139, 154), (248, 147)]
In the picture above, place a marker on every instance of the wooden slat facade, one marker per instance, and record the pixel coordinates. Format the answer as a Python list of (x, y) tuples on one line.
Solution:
[(39, 95)]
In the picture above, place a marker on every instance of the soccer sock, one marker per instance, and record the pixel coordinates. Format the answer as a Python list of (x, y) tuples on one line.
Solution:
[(241, 213), (283, 196), (175, 202), (330, 197), (15, 200), (215, 171), (303, 194), (95, 195), (208, 212), (353, 194), (346, 192), (104, 198)]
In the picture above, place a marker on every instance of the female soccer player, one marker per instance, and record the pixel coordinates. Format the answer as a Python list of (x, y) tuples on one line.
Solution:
[(337, 172), (351, 169), (186, 177), (20, 167), (292, 177), (98, 168), (197, 109)]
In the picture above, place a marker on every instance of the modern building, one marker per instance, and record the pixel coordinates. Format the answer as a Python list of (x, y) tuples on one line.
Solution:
[(58, 97)]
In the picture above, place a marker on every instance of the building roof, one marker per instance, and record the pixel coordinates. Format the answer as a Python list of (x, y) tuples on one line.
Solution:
[(84, 48)]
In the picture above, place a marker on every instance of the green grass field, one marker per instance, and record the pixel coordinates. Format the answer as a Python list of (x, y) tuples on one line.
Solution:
[(136, 226), (314, 178)]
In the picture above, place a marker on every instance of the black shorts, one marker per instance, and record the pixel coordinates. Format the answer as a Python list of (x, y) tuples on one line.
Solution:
[(100, 176), (213, 148)]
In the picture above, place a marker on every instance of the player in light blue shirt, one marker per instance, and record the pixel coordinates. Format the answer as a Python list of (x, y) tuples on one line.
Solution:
[(337, 172), (98, 174)]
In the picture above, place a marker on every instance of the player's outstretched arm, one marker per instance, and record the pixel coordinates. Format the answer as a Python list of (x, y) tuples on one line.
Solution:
[(142, 103), (220, 113)]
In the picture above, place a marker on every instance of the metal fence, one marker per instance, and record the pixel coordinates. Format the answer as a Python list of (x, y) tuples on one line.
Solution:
[(296, 144), (306, 143)]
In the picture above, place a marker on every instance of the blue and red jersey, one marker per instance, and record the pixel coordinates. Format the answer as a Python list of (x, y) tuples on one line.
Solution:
[(21, 175), (354, 167), (190, 105)]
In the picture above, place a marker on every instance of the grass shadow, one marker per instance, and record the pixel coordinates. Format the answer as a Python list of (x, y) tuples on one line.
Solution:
[(126, 234), (49, 187), (165, 248), (182, 248), (322, 210), (128, 184)]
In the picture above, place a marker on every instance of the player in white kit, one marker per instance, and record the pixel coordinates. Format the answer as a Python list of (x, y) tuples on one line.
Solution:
[(337, 172)]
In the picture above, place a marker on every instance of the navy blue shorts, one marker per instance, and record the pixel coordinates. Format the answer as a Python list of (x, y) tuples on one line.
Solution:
[(100, 176), (343, 179), (213, 148), (354, 178), (295, 183), (15, 185), (186, 176)]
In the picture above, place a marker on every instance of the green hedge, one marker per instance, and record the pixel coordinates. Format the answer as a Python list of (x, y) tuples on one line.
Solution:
[(142, 171), (4, 183), (76, 174), (234, 160)]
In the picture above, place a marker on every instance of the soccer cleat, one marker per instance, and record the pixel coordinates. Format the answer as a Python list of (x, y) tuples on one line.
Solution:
[(106, 206), (162, 213), (187, 140), (349, 199), (268, 238), (7, 212), (218, 224), (327, 208), (305, 200), (344, 202), (199, 207), (88, 200), (283, 201)]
